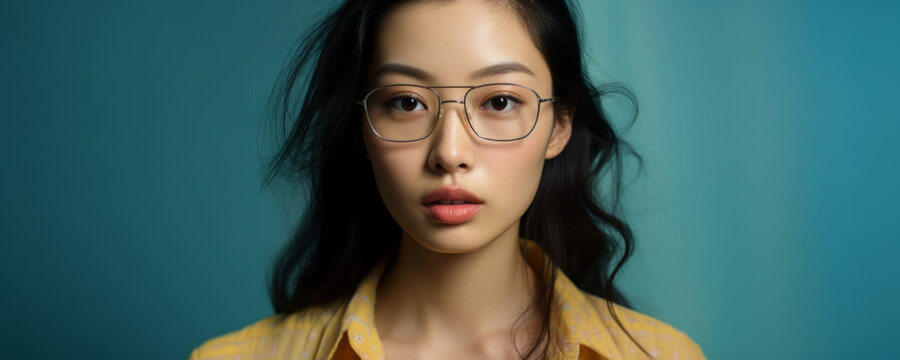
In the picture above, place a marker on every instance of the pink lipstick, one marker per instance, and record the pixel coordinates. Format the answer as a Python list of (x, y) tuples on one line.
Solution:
[(451, 205)]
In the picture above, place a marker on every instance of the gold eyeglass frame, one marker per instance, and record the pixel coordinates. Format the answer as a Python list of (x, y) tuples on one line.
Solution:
[(440, 111)]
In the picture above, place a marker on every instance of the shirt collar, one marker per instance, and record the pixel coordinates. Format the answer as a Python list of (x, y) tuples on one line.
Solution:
[(580, 322)]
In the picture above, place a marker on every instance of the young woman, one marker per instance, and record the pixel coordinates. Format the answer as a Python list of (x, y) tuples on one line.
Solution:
[(451, 151)]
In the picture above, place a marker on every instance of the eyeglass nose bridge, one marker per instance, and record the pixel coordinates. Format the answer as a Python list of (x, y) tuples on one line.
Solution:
[(441, 108)]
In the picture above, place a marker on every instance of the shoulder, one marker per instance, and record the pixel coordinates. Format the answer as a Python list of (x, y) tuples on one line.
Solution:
[(661, 340), (301, 333)]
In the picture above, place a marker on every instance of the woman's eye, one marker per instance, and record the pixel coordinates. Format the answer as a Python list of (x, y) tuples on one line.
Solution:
[(500, 103), (406, 104)]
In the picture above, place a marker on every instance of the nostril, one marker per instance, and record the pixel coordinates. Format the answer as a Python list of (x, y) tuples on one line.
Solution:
[(438, 166)]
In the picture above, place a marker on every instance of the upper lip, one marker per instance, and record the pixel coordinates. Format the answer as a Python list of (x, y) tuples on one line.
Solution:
[(450, 193)]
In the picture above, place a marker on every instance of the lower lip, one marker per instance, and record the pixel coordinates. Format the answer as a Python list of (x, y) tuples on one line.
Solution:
[(452, 214)]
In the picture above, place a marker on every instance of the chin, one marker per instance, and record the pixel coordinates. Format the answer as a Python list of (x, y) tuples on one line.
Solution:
[(448, 241), (456, 239)]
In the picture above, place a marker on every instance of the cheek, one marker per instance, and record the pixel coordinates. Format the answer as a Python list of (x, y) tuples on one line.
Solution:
[(516, 176), (515, 169), (396, 167)]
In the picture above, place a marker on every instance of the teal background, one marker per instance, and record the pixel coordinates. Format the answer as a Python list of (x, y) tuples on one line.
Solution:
[(132, 224)]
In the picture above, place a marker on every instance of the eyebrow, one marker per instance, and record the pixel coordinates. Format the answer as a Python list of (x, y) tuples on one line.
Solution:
[(408, 70), (422, 75), (502, 68)]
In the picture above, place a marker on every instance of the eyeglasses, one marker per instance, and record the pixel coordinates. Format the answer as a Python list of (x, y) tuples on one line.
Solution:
[(496, 111)]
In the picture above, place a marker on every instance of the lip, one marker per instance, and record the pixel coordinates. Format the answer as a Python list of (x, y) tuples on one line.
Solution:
[(445, 192), (451, 213)]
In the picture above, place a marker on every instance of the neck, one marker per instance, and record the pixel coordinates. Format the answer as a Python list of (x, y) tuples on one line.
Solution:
[(457, 297)]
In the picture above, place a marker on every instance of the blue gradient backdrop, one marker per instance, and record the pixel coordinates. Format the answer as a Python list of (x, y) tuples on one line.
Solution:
[(132, 224)]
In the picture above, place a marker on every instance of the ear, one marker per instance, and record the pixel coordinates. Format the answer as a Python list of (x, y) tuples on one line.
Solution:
[(562, 131)]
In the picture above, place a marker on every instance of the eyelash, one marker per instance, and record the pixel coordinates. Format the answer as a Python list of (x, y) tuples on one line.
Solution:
[(510, 97)]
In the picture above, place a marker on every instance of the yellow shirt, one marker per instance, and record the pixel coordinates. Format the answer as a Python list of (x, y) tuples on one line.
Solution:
[(347, 330)]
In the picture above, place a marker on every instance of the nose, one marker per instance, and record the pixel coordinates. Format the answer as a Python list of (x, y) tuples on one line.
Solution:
[(451, 144)]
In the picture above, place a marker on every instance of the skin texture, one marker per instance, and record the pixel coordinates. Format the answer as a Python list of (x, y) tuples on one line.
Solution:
[(455, 291)]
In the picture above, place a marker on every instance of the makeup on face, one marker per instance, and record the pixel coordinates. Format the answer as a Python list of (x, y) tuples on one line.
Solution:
[(451, 205), (450, 189)]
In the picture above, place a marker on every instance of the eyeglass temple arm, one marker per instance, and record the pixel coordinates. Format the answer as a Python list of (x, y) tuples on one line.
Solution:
[(551, 99)]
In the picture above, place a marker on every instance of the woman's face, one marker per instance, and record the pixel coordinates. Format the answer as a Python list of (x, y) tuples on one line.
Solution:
[(451, 43)]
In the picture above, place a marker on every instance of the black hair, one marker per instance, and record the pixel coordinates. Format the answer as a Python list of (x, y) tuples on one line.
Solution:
[(345, 224)]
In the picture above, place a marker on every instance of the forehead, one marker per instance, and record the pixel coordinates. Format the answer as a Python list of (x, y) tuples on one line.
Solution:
[(451, 41)]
